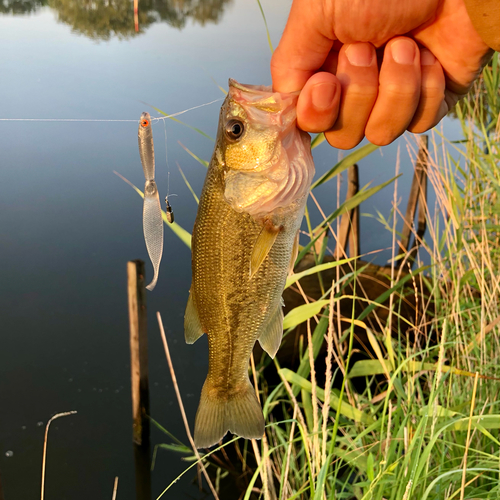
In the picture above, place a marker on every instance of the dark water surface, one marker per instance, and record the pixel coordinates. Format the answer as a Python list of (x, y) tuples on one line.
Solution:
[(68, 225)]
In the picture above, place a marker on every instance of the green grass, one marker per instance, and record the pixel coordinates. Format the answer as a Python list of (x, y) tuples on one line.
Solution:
[(433, 400), (419, 417)]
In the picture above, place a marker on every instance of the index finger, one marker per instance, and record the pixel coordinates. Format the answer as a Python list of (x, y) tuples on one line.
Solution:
[(304, 46)]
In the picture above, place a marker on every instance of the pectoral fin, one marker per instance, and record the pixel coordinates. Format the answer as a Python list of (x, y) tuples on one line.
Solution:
[(295, 253), (272, 334), (263, 245), (192, 325)]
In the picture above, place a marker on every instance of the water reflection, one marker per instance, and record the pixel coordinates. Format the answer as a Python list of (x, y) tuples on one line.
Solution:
[(21, 6), (177, 12), (104, 19)]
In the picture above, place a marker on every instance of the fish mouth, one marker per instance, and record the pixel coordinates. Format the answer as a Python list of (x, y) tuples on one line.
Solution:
[(258, 89), (262, 97), (251, 89)]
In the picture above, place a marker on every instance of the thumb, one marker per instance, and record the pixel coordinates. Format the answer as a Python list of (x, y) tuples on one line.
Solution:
[(304, 46)]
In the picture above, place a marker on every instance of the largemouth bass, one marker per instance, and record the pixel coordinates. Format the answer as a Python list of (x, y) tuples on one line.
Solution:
[(245, 240)]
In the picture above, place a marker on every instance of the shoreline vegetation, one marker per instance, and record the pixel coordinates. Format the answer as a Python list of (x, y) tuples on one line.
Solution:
[(394, 396)]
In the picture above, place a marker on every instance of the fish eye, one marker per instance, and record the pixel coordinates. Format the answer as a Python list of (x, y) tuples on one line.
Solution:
[(234, 129), (145, 123)]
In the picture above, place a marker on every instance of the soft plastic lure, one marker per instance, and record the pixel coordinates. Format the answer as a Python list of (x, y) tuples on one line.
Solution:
[(151, 215)]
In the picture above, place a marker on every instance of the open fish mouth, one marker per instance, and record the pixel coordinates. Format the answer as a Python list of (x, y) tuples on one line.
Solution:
[(269, 166)]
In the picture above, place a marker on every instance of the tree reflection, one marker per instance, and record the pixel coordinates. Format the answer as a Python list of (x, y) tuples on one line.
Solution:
[(102, 19), (177, 12), (20, 6)]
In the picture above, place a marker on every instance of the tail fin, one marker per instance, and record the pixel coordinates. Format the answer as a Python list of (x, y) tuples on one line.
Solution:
[(239, 413)]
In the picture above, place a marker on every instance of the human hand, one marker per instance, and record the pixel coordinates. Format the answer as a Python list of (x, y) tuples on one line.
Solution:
[(376, 68)]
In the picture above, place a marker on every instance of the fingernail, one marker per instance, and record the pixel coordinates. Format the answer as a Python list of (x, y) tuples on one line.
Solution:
[(427, 58), (359, 54), (403, 51), (322, 95)]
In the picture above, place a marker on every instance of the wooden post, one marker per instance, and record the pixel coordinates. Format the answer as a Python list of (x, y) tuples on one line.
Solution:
[(138, 350), (142, 462), (418, 195), (139, 372), (422, 166), (348, 219), (1, 489), (353, 179)]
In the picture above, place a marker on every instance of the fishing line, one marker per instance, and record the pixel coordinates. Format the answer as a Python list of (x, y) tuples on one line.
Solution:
[(168, 209), (166, 154), (153, 119)]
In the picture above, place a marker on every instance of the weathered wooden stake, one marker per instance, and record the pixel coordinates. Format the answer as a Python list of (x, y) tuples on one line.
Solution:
[(138, 350), (349, 220), (418, 195), (353, 179), (142, 462), (1, 489), (139, 371)]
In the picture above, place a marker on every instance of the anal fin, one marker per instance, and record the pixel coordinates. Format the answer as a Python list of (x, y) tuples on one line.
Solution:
[(272, 333), (263, 245), (192, 325)]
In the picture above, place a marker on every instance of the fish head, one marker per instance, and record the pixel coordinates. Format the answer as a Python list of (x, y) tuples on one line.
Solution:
[(145, 120), (253, 122), (261, 150)]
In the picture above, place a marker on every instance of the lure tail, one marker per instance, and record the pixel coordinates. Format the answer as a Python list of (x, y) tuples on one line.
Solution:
[(238, 412), (153, 228)]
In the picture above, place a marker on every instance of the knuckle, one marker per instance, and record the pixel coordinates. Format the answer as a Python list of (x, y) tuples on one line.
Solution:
[(361, 92), (402, 91), (433, 93)]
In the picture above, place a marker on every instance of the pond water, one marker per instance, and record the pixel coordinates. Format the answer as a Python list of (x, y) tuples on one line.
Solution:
[(69, 225)]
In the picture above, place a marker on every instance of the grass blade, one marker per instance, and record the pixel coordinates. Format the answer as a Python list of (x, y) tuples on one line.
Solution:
[(345, 408), (203, 162), (320, 138), (293, 278), (267, 29), (187, 184), (343, 164), (303, 313)]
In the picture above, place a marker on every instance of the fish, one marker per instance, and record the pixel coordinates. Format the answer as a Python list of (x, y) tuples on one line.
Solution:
[(151, 214), (244, 243)]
